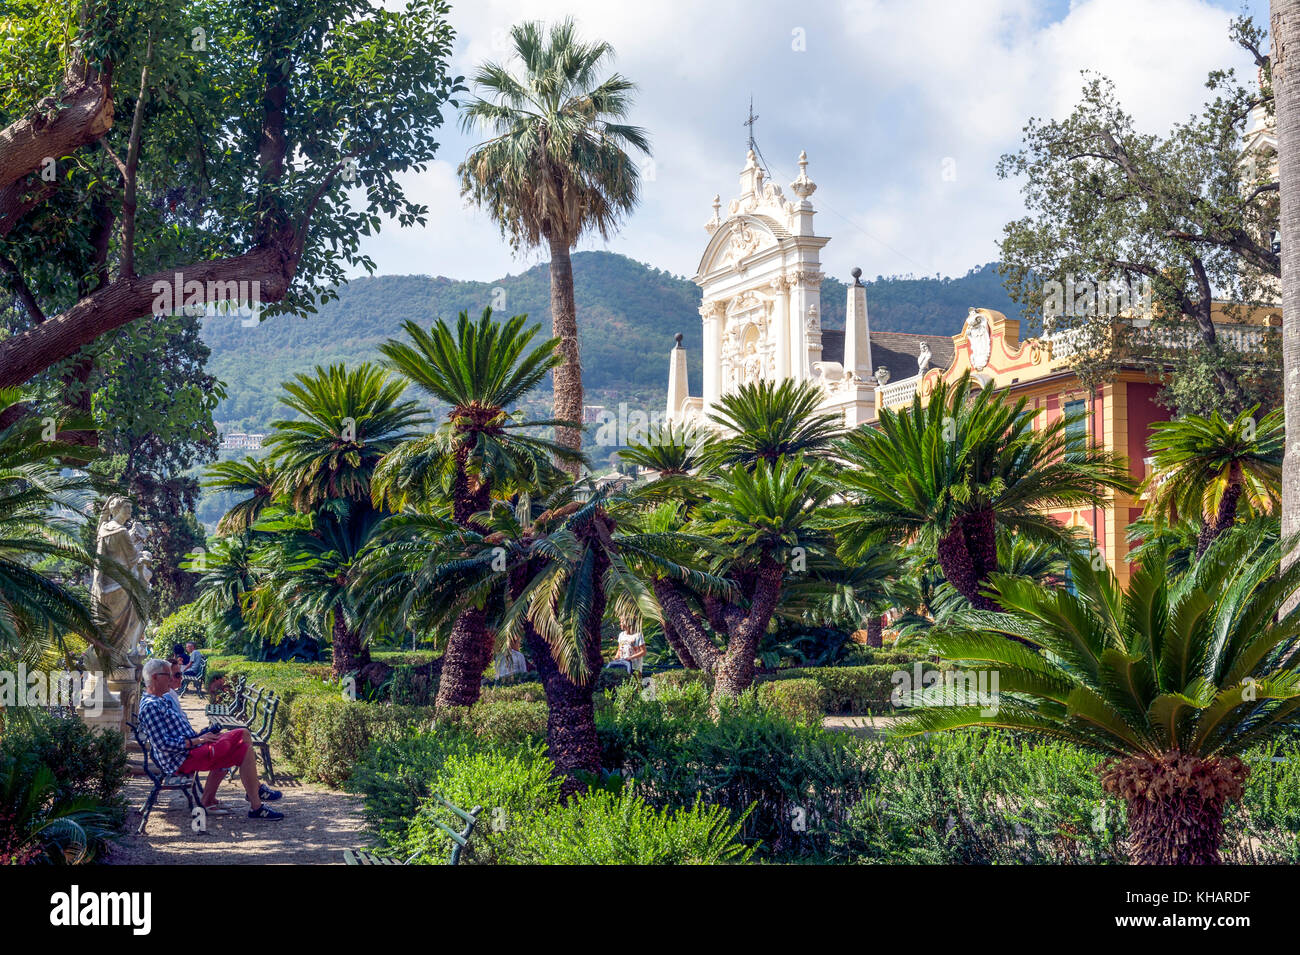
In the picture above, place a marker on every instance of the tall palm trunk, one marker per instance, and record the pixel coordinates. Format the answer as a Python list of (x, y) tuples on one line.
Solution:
[(678, 645), (567, 376), (349, 652), (1175, 805), (968, 554), (1285, 30), (468, 653)]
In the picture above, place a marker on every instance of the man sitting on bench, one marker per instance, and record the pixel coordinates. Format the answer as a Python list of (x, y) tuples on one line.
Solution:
[(178, 749)]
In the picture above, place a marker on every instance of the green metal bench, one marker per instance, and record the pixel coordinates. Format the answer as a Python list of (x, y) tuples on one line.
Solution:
[(246, 712), (460, 840), (213, 710), (194, 681)]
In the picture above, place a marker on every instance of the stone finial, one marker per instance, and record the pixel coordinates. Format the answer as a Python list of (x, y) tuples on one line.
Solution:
[(857, 275), (678, 339), (803, 187), (712, 225)]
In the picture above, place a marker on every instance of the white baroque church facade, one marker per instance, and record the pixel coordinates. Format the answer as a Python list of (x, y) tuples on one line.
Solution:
[(761, 280)]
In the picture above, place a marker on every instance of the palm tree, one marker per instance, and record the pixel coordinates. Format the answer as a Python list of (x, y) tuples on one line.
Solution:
[(1284, 20), (760, 526), (948, 474), (670, 450), (767, 420), (1172, 680), (306, 564), (554, 168), (254, 477), (481, 371), (41, 518), (349, 419), (1209, 467), (229, 573)]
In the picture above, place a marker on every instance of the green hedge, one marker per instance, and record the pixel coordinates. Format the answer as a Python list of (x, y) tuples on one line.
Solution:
[(803, 700), (328, 734), (853, 690)]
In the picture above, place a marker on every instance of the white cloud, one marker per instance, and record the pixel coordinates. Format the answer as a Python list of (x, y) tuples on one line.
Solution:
[(885, 91)]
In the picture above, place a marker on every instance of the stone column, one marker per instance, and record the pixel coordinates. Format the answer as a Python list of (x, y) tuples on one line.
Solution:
[(781, 326), (678, 391), (712, 313)]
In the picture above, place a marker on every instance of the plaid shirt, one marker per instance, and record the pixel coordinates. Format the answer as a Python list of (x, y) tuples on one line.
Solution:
[(166, 729)]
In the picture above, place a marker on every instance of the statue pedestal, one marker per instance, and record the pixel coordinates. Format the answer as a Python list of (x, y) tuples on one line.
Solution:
[(107, 704)]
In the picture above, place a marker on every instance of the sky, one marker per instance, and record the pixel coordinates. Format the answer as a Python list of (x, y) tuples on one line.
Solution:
[(903, 107)]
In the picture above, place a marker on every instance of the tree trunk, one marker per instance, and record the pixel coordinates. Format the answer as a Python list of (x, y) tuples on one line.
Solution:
[(679, 646), (686, 625), (349, 653), (1226, 516), (736, 672), (567, 376), (571, 740), (468, 653), (875, 636), (1285, 31), (1175, 805), (968, 554)]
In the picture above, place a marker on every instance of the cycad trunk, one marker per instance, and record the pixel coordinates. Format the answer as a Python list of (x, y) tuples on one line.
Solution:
[(571, 740), (349, 653), (567, 376), (968, 554), (1285, 31), (468, 653), (736, 671), (1175, 805), (1226, 515), (875, 632)]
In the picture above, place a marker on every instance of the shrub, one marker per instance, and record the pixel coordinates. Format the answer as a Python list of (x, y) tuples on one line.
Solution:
[(329, 734), (85, 763), (508, 722), (510, 789), (679, 678), (855, 690), (605, 828), (186, 625), (395, 776), (532, 692), (984, 797), (802, 700)]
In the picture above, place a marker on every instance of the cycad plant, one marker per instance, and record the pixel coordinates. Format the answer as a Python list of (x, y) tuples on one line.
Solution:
[(348, 419), (1209, 469), (947, 474), (481, 370), (253, 479), (554, 168), (1172, 680), (758, 529), (764, 420), (671, 450), (41, 520)]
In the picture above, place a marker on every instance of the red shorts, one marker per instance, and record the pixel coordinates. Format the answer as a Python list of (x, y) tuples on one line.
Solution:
[(229, 750)]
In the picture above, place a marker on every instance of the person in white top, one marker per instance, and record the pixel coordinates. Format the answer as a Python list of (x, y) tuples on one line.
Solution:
[(631, 645), (510, 662)]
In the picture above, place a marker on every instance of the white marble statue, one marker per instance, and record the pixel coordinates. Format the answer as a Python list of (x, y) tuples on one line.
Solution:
[(923, 359), (121, 541)]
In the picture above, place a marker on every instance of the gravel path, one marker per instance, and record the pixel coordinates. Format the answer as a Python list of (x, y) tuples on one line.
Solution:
[(319, 823)]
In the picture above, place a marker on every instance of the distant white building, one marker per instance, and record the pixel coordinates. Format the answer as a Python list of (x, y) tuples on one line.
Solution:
[(761, 277), (239, 441)]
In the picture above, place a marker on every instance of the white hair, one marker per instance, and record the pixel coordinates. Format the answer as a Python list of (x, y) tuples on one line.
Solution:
[(154, 667)]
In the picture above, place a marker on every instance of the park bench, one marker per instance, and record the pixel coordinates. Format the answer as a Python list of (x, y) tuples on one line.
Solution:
[(459, 839), (246, 711), (213, 710), (266, 703), (188, 785), (194, 681)]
